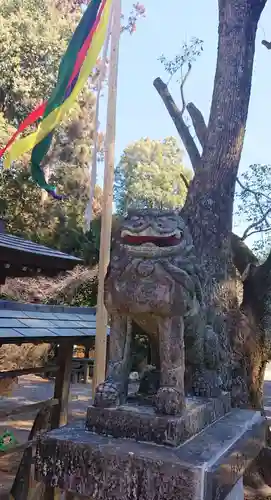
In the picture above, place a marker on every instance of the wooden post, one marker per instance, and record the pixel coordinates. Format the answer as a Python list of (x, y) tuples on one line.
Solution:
[(62, 384), (105, 241), (62, 388)]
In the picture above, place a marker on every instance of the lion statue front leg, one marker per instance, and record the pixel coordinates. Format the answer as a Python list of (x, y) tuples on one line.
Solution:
[(170, 398), (113, 391)]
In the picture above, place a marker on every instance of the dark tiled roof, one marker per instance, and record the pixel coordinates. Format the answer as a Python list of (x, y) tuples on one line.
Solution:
[(20, 252), (16, 243), (29, 322)]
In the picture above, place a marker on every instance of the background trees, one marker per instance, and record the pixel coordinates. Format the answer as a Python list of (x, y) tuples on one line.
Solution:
[(34, 36), (253, 208), (151, 174)]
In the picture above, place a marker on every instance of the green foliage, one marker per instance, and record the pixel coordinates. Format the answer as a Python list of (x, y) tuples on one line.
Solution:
[(33, 38), (6, 130), (184, 59), (254, 207), (55, 223), (149, 175)]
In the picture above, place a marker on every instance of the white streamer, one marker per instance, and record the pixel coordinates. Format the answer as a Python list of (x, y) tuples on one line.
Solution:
[(93, 165)]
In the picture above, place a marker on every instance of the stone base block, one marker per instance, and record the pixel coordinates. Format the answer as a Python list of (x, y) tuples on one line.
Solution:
[(206, 467), (143, 424)]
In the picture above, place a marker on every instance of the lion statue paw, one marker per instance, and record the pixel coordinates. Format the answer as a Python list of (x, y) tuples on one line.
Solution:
[(107, 395), (169, 401)]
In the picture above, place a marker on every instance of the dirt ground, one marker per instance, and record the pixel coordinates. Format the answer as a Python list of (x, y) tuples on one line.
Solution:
[(34, 389)]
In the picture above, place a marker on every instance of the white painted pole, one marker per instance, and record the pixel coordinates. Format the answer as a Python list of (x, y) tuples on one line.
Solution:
[(93, 164), (105, 241)]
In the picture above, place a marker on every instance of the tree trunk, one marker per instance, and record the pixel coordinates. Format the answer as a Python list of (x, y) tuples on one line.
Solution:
[(209, 206)]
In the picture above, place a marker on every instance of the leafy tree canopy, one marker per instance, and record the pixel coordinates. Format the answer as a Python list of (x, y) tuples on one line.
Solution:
[(33, 38), (151, 174)]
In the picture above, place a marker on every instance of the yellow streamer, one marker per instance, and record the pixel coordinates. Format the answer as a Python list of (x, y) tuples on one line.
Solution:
[(27, 143)]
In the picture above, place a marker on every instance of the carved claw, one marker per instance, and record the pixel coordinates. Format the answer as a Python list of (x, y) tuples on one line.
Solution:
[(107, 395), (207, 384), (169, 401)]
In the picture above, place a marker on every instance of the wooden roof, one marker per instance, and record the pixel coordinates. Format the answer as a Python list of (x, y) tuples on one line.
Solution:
[(40, 323), (19, 257)]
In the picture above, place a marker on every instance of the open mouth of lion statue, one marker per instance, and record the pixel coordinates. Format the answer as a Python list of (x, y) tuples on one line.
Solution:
[(159, 241), (148, 241)]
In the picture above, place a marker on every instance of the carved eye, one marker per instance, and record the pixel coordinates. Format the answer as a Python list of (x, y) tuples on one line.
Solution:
[(136, 221), (161, 221)]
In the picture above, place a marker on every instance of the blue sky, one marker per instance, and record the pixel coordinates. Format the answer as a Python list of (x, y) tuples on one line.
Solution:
[(141, 113)]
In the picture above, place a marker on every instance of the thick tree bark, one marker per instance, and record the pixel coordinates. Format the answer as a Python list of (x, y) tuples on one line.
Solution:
[(176, 115), (209, 205), (246, 334), (210, 198)]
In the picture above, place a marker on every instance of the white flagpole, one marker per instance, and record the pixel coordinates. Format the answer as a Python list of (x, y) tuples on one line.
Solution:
[(105, 241), (93, 166)]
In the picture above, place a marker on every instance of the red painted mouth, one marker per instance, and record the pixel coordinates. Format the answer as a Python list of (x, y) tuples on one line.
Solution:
[(159, 241)]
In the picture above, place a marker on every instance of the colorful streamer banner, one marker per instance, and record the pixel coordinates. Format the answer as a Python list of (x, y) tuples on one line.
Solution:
[(75, 69), (93, 165)]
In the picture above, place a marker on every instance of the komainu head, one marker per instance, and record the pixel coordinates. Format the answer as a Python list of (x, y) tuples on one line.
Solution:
[(153, 267), (154, 233)]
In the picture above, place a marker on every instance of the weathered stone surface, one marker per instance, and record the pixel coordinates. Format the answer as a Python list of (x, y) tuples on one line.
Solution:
[(204, 468), (228, 447), (155, 280), (143, 424), (103, 469)]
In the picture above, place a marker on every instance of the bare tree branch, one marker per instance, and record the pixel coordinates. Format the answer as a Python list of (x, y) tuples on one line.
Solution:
[(256, 231), (180, 125), (182, 87), (185, 181), (198, 122), (257, 199), (266, 44), (252, 191), (265, 214), (254, 225)]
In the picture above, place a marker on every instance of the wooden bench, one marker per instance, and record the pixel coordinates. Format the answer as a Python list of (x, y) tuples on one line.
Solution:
[(82, 370)]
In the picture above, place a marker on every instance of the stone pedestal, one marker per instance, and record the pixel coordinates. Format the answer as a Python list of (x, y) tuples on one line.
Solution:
[(136, 455), (140, 422)]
